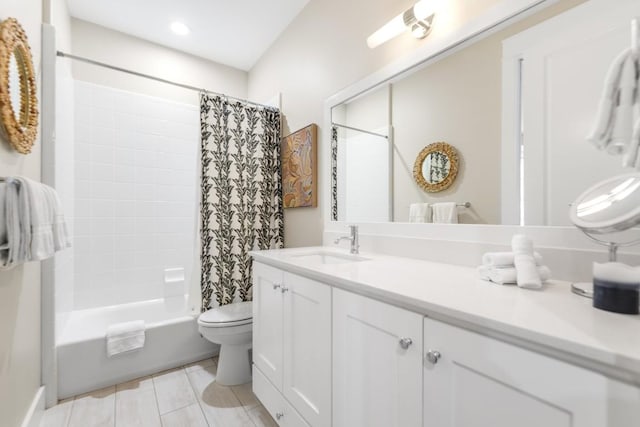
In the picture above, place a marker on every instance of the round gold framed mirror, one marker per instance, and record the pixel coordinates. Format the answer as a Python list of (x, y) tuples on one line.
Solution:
[(436, 167), (18, 93)]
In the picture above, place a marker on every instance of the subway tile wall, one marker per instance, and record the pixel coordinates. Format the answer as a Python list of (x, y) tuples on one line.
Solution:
[(62, 165), (135, 193)]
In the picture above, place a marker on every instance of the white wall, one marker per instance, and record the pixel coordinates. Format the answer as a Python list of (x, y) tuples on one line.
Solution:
[(118, 49), (324, 50), (20, 287), (135, 187)]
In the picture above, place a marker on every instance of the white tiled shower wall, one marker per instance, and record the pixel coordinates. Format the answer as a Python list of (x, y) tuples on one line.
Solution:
[(63, 159), (135, 194)]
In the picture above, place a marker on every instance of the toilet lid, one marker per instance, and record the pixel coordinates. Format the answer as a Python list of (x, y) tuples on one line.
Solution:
[(228, 314)]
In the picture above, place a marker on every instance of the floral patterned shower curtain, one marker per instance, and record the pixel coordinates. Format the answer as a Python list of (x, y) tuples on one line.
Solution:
[(241, 187)]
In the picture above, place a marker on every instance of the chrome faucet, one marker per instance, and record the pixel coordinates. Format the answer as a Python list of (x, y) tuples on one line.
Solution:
[(352, 238)]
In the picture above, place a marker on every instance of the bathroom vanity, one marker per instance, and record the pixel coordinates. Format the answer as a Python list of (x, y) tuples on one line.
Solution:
[(374, 340)]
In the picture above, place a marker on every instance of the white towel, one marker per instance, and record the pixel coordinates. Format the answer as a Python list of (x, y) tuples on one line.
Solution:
[(526, 270), (126, 336), (33, 226), (445, 213), (505, 259), (508, 276), (420, 212), (615, 120), (11, 253)]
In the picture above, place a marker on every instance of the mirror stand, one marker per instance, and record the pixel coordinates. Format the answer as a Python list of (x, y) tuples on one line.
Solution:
[(612, 246)]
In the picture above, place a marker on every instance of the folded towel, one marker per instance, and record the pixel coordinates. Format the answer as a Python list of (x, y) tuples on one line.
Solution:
[(420, 212), (126, 336), (527, 273), (33, 226), (505, 259), (508, 275), (10, 251), (445, 213)]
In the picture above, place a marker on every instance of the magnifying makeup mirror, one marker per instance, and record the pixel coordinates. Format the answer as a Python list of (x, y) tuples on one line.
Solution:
[(605, 213), (607, 209)]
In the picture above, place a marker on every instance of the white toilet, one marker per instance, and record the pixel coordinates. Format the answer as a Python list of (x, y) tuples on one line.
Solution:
[(230, 326)]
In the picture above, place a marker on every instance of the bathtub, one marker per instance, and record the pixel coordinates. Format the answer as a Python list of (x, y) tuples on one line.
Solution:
[(172, 339)]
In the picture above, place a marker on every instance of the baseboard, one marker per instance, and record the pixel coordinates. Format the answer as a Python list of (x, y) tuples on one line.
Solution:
[(36, 410)]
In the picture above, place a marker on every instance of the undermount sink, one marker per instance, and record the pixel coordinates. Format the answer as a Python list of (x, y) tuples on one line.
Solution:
[(328, 258)]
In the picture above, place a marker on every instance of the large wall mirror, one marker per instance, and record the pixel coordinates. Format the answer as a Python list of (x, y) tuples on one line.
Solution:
[(517, 104)]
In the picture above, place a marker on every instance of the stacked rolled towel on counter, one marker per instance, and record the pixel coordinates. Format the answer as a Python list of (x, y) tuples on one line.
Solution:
[(32, 226), (519, 267)]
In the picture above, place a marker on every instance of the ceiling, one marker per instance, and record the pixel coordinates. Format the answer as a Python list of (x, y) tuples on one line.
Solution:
[(231, 32)]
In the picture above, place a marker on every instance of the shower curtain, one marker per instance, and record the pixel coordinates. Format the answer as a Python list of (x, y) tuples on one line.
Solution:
[(241, 194)]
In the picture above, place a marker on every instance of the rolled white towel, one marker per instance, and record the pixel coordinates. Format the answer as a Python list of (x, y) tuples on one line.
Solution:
[(509, 276), (505, 259), (527, 273), (125, 336), (420, 212)]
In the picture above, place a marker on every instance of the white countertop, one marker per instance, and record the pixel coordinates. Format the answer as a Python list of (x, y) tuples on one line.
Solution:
[(552, 320)]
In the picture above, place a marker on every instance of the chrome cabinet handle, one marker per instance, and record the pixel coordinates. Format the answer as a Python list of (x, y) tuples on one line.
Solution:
[(284, 289), (276, 286), (405, 343), (279, 415), (433, 356)]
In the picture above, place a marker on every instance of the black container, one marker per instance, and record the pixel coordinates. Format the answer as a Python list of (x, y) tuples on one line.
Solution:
[(617, 297)]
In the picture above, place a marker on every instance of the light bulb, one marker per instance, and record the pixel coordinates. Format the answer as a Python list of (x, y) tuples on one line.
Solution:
[(413, 19), (423, 9), (391, 29)]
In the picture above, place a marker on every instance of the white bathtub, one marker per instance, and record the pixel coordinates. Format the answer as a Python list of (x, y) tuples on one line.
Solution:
[(172, 339)]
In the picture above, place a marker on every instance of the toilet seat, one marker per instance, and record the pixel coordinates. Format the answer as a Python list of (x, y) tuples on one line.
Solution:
[(235, 314)]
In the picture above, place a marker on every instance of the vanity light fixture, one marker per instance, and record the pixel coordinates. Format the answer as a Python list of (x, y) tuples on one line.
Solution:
[(418, 19), (179, 28)]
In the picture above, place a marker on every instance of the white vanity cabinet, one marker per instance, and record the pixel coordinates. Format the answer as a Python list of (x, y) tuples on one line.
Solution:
[(292, 346), (377, 363), (471, 380)]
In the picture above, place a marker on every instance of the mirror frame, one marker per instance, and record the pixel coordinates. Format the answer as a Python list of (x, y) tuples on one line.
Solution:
[(19, 127), (436, 147)]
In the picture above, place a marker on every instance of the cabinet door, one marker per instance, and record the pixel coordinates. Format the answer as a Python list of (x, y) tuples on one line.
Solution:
[(479, 382), (279, 409), (267, 322), (376, 372), (307, 348)]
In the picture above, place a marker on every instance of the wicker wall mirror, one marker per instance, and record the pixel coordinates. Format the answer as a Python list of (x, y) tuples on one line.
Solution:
[(18, 93), (436, 167)]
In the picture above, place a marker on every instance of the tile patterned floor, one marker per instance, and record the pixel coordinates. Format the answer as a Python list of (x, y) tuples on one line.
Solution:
[(181, 397)]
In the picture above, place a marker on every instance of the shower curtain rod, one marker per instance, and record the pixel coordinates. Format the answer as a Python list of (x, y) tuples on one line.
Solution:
[(158, 79), (360, 130)]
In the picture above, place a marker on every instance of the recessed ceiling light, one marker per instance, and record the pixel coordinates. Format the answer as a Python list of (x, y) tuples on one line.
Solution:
[(179, 28)]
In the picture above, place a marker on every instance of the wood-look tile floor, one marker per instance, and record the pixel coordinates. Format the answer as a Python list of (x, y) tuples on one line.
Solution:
[(181, 397)]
